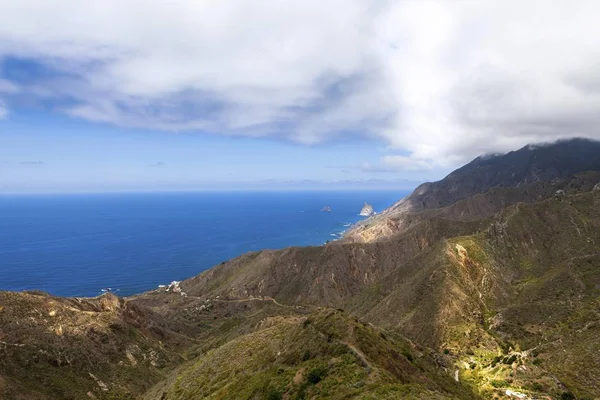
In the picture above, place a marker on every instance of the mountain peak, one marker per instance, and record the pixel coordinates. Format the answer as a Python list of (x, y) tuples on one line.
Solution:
[(530, 164), (534, 163)]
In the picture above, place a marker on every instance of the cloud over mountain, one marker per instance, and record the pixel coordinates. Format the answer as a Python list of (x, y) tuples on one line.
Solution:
[(439, 82)]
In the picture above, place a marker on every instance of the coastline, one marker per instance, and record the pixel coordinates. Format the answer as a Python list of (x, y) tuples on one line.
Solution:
[(74, 246)]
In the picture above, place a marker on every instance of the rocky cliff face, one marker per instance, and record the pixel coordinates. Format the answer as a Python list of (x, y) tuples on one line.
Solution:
[(367, 210), (492, 294)]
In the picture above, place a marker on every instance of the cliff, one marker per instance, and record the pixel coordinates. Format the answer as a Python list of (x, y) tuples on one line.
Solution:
[(367, 210)]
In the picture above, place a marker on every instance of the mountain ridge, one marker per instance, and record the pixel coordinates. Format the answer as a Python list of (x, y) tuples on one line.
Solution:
[(490, 293), (528, 165)]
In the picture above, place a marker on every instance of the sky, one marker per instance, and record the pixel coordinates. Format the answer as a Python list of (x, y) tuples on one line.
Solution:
[(185, 95)]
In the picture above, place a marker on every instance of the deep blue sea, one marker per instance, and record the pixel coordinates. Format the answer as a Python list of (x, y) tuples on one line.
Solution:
[(75, 245)]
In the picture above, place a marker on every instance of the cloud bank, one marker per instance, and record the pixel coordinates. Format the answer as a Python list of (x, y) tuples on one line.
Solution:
[(439, 82)]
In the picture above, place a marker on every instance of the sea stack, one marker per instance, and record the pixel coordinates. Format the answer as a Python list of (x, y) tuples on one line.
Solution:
[(367, 210)]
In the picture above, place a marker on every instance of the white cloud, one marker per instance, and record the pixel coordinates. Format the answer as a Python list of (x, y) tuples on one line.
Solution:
[(3, 110), (478, 77), (8, 87), (404, 163), (441, 81), (251, 68)]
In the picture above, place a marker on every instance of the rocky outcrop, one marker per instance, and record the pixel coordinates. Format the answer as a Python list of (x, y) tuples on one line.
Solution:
[(77, 348), (367, 210), (559, 195)]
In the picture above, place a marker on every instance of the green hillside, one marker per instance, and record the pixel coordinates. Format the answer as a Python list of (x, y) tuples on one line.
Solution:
[(495, 295)]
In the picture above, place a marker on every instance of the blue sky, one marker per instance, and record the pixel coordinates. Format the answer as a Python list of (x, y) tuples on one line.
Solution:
[(186, 95), (47, 152), (43, 149)]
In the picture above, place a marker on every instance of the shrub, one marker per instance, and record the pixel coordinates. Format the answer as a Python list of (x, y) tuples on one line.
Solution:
[(274, 394), (120, 396), (510, 360), (315, 375), (538, 387), (495, 361), (306, 355), (301, 395)]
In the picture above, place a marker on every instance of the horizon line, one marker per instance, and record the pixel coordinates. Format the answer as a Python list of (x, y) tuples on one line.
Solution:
[(204, 190)]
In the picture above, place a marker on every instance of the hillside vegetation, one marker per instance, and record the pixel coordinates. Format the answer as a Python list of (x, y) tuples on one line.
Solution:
[(483, 285)]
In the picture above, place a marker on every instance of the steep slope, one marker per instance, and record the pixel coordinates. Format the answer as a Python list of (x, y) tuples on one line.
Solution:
[(554, 250), (527, 166), (57, 348), (325, 354), (515, 305), (457, 287), (325, 275), (329, 275)]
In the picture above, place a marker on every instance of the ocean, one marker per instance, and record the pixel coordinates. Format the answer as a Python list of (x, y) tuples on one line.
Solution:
[(78, 244)]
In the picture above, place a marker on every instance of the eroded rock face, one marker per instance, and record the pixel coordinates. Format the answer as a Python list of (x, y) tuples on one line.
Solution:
[(367, 210), (83, 344), (110, 302)]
